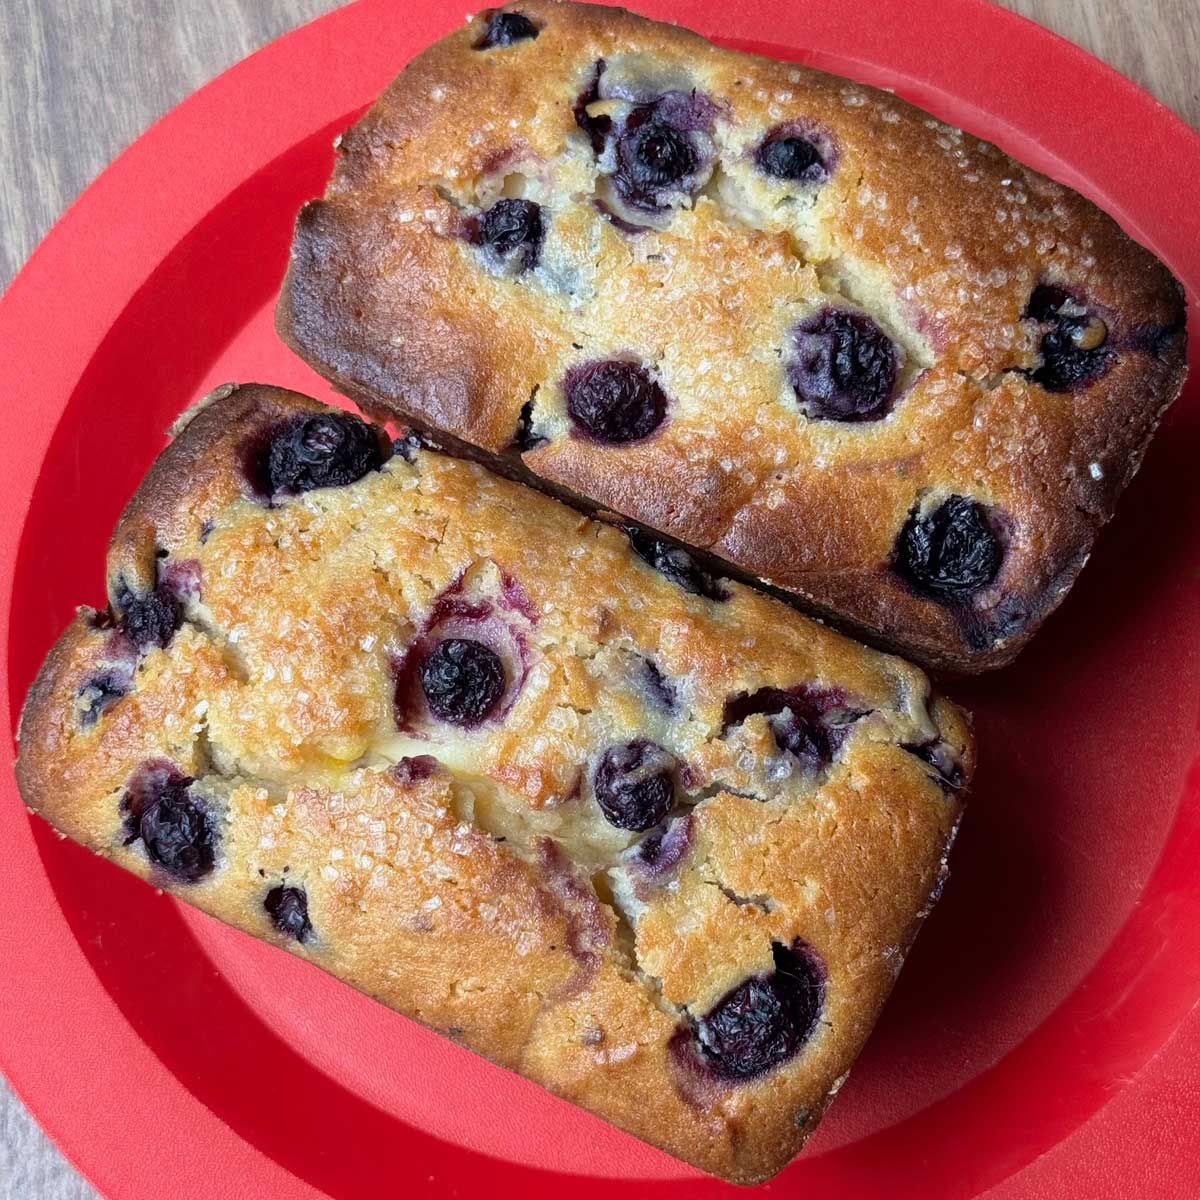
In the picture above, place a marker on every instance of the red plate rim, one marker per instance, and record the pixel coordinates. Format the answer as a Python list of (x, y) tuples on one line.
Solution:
[(110, 241)]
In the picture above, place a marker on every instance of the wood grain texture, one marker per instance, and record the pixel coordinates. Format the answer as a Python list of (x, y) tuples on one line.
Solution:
[(80, 79)]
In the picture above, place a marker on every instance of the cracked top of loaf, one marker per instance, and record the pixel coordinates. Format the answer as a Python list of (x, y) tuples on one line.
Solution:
[(649, 837), (779, 316)]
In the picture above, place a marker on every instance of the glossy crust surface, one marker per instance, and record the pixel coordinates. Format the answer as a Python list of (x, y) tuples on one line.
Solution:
[(937, 237), (467, 875)]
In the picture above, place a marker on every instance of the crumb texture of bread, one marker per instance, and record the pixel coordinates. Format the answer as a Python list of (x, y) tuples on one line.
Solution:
[(784, 318), (648, 837)]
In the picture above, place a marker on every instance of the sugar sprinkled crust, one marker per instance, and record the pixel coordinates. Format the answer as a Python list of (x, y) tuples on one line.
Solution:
[(856, 314), (670, 819)]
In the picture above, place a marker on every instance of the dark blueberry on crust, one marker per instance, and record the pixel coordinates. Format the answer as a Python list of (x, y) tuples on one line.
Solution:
[(942, 759), (654, 154), (176, 827), (950, 552), (1074, 349), (843, 367), (597, 128), (677, 565), (634, 785), (793, 158), (463, 681), (614, 401), (288, 909), (513, 228), (317, 450), (407, 447), (765, 1020), (103, 689), (523, 437), (1046, 300), (150, 620), (807, 723), (658, 149), (505, 28)]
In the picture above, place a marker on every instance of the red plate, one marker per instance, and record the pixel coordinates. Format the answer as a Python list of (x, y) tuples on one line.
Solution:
[(1043, 1040)]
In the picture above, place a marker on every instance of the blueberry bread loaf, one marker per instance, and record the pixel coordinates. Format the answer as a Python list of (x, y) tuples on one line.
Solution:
[(780, 317), (648, 837)]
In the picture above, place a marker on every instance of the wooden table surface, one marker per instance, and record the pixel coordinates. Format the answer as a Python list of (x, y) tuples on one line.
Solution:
[(80, 79)]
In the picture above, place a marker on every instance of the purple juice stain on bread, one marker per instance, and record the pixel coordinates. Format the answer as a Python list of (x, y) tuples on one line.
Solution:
[(177, 828), (660, 690), (764, 1021), (614, 401), (951, 552), (656, 857), (287, 906), (843, 367), (568, 895)]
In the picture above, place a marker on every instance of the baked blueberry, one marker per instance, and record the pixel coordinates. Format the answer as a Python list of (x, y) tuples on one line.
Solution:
[(150, 620), (318, 450), (599, 126), (523, 436), (1045, 302), (808, 723), (513, 231), (677, 565), (413, 768), (765, 1020), (659, 149), (662, 850), (950, 552), (174, 825), (660, 690), (288, 909), (654, 154), (634, 785), (614, 401), (942, 759), (843, 367), (1074, 349), (791, 157), (463, 681), (505, 28), (103, 689)]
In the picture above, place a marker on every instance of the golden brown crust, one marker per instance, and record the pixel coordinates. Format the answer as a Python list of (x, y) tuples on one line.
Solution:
[(938, 236), (480, 890)]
